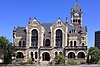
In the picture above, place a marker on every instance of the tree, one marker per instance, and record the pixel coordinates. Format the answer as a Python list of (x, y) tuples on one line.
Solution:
[(59, 59), (94, 52), (7, 49)]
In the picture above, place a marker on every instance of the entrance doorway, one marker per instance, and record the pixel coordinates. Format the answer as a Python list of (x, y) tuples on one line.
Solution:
[(46, 56)]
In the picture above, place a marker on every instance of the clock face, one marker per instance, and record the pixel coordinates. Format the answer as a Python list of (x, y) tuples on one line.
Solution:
[(76, 14)]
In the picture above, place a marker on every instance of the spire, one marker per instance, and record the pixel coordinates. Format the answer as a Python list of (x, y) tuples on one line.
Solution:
[(76, 6)]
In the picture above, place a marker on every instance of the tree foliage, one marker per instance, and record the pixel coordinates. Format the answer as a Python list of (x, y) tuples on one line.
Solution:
[(7, 49), (94, 52), (59, 59)]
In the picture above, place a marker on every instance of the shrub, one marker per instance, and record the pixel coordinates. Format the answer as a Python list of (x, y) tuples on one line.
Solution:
[(82, 62), (71, 62), (29, 60), (59, 59)]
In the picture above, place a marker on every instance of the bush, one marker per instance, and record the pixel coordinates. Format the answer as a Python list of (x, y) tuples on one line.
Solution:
[(98, 62), (82, 62), (29, 60), (59, 59), (71, 62)]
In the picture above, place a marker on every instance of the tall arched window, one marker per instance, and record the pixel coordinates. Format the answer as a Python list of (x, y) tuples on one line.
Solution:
[(34, 38), (58, 38), (74, 43), (71, 43)]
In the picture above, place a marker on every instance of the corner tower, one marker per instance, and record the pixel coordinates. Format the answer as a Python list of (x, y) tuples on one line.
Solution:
[(76, 15)]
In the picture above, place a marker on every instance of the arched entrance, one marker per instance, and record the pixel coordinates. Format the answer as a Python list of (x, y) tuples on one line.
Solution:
[(81, 55), (19, 55), (71, 55), (46, 56)]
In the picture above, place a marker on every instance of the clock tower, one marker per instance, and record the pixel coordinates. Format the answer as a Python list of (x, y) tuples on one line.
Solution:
[(76, 15)]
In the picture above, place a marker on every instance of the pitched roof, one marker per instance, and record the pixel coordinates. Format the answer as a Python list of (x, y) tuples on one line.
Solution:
[(47, 27), (20, 31)]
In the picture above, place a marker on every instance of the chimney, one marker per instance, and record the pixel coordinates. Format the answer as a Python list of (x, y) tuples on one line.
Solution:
[(30, 20), (66, 20)]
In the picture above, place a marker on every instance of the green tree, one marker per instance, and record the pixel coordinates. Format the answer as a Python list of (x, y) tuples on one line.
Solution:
[(59, 59), (7, 49), (94, 52)]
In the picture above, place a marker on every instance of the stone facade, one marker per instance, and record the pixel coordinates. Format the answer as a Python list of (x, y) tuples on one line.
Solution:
[(43, 41)]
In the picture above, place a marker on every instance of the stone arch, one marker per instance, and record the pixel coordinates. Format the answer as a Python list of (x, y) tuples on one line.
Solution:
[(81, 51), (81, 55), (20, 55), (71, 51), (71, 55), (42, 54), (45, 56)]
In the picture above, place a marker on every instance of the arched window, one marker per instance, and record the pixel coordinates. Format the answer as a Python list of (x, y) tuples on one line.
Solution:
[(60, 53), (32, 56), (56, 53), (19, 43), (24, 43), (74, 43), (47, 43), (71, 43), (34, 38), (35, 55), (58, 38), (82, 44)]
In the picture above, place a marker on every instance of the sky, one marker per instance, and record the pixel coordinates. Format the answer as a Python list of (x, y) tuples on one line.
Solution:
[(14, 13)]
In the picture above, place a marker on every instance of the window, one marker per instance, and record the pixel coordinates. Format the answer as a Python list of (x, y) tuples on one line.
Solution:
[(35, 55), (47, 43), (58, 38), (82, 44), (32, 56), (74, 43), (82, 38), (24, 43), (19, 43), (56, 53), (60, 53), (34, 38), (71, 43)]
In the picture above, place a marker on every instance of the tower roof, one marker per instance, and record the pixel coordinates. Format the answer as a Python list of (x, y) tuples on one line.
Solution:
[(76, 6)]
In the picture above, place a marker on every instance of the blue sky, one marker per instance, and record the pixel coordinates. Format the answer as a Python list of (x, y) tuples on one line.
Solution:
[(15, 13)]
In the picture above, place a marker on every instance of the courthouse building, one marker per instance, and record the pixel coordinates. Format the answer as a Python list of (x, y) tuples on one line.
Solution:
[(42, 41)]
